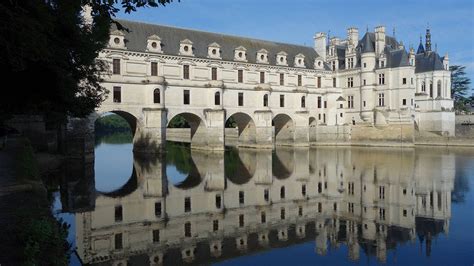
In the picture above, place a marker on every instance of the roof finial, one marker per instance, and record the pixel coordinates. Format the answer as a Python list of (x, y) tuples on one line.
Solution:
[(394, 32), (428, 40), (436, 47)]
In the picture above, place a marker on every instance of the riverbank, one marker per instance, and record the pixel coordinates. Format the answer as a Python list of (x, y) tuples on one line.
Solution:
[(29, 233)]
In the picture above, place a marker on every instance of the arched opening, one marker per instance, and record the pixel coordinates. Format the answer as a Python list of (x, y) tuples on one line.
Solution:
[(184, 127), (283, 163), (265, 100), (283, 129), (303, 102), (240, 130), (113, 154), (239, 165), (156, 96), (181, 170)]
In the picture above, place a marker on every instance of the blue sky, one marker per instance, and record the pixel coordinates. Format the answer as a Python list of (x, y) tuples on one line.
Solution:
[(296, 21)]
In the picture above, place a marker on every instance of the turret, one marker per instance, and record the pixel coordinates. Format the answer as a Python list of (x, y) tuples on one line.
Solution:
[(353, 36), (421, 49), (367, 78), (320, 41), (446, 61), (379, 39), (411, 57)]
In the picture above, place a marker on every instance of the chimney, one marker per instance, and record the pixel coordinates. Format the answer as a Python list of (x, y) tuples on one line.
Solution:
[(353, 36), (320, 44), (379, 39)]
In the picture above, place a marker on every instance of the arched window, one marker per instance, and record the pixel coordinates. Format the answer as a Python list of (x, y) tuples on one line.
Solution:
[(156, 96), (303, 102), (438, 89), (423, 87), (217, 98), (265, 100)]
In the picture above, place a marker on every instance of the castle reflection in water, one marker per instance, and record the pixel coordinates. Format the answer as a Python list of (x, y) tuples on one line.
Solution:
[(370, 200)]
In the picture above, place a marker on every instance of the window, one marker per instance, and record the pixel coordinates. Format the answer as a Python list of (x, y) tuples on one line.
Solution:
[(241, 220), (324, 118), (438, 93), (282, 192), (423, 87), (333, 65), (217, 98), (186, 96), (404, 102), (382, 213), (240, 76), (381, 192), (118, 213), (241, 99), (319, 101), (187, 229), (187, 204), (365, 82), (319, 82), (214, 73), (404, 213), (282, 100), (282, 213), (335, 206), (300, 211), (156, 96), (350, 62), (365, 65), (411, 81), (158, 209), (118, 241), (325, 104), (116, 66), (381, 79), (431, 89), (156, 236), (154, 68), (381, 99), (265, 100), (350, 101), (320, 187), (262, 77), (266, 195), (404, 81), (282, 79), (300, 80), (185, 71), (303, 190), (382, 63), (350, 82), (215, 225), (263, 217), (303, 102), (117, 94), (218, 201), (241, 197), (334, 82), (320, 207)]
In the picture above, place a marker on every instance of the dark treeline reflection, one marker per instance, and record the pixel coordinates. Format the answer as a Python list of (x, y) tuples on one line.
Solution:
[(375, 202)]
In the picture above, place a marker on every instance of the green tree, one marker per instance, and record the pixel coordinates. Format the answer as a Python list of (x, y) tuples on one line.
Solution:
[(48, 54), (459, 87)]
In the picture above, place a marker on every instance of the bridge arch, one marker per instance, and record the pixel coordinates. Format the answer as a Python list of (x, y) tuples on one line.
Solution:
[(129, 117), (239, 165), (284, 129), (194, 122), (246, 129)]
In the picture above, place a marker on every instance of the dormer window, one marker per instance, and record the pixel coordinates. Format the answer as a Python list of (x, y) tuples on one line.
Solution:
[(262, 56), (186, 47), (117, 40), (299, 60), (318, 63), (281, 59), (154, 44), (240, 54), (214, 51)]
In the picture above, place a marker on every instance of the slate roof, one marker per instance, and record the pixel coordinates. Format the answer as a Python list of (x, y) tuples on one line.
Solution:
[(136, 40), (428, 61)]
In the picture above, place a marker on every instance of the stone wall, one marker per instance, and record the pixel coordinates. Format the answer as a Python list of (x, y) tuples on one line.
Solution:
[(465, 126)]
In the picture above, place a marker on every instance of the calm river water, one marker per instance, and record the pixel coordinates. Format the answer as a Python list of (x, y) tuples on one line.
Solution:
[(324, 206)]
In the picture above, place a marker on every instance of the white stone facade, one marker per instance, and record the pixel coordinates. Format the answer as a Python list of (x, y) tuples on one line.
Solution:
[(301, 91)]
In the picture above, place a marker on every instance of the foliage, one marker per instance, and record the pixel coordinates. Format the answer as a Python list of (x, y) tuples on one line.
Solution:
[(26, 164), (113, 138), (459, 87), (179, 155), (178, 122), (111, 123), (231, 123), (49, 54)]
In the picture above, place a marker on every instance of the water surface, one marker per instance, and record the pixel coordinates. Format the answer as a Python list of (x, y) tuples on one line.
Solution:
[(325, 206)]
